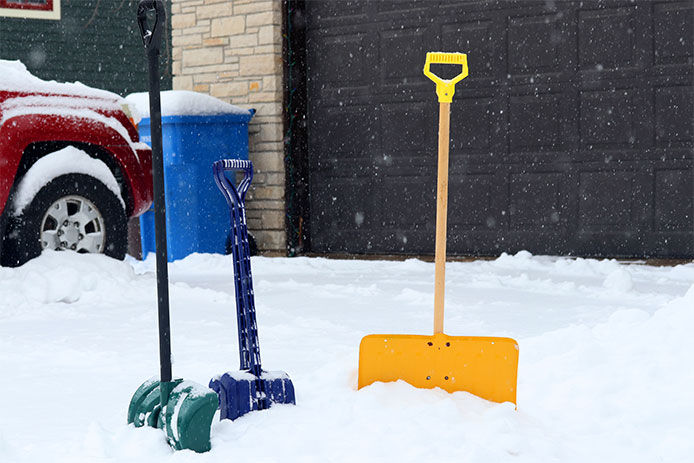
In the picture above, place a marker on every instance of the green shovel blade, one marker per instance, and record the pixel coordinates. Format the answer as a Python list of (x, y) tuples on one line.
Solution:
[(186, 417)]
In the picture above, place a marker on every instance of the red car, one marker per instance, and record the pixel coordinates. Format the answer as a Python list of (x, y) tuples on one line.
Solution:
[(72, 168)]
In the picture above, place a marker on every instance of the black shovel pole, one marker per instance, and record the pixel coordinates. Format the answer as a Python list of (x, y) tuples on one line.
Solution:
[(152, 41)]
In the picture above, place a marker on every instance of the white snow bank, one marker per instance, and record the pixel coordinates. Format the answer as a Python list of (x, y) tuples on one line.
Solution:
[(68, 160), (184, 103), (16, 77), (604, 369), (60, 277)]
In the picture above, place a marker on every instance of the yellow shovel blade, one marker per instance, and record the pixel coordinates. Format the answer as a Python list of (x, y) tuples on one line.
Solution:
[(484, 366)]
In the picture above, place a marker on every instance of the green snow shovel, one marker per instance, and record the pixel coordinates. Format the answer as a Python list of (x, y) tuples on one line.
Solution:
[(182, 409)]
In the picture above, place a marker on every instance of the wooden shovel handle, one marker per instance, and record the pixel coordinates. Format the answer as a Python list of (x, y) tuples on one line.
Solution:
[(441, 216)]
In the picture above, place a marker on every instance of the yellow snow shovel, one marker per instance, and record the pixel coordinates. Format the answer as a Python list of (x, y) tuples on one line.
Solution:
[(484, 366)]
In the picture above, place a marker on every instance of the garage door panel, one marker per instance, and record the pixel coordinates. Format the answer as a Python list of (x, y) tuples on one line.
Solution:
[(471, 202), (674, 113), (324, 12), (473, 127), (535, 200), (404, 127), (537, 44), (674, 203), (414, 194), (400, 56), (358, 129), (607, 39), (606, 200), (485, 59), (537, 122), (608, 118), (673, 26), (345, 203)]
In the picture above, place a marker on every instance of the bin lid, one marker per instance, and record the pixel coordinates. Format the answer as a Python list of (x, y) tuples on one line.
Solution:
[(186, 103)]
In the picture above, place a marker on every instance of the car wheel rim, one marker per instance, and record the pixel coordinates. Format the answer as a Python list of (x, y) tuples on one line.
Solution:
[(75, 223)]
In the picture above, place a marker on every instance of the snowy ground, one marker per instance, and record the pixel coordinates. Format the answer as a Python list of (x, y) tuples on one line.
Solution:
[(606, 371)]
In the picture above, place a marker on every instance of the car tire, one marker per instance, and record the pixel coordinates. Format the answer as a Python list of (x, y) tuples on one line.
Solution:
[(71, 212)]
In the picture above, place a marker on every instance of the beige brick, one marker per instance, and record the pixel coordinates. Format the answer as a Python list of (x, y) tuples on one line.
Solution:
[(268, 147), (262, 118), (275, 179), (269, 162), (272, 82), (263, 49), (202, 56), (264, 97), (228, 89), (209, 68), (186, 40), (263, 204), (215, 42), (196, 30), (241, 52), (269, 35), (182, 83), (271, 132), (222, 27), (259, 64), (252, 7), (181, 21), (206, 78), (242, 41), (272, 219), (268, 192), (270, 240), (215, 10), (202, 88), (268, 109), (262, 19)]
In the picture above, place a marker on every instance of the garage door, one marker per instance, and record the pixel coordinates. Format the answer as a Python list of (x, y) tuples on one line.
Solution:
[(573, 133)]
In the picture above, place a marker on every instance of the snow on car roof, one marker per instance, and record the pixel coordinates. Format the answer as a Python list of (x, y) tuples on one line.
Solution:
[(14, 76), (184, 103)]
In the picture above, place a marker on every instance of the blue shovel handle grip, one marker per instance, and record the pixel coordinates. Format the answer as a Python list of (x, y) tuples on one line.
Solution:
[(235, 195)]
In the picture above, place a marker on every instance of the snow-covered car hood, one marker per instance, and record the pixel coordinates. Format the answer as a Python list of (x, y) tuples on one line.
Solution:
[(14, 77)]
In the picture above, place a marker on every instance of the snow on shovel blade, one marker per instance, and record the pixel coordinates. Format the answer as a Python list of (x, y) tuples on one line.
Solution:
[(484, 366), (186, 418), (241, 392)]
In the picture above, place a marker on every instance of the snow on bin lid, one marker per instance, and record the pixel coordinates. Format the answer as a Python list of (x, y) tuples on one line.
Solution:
[(184, 103), (15, 77)]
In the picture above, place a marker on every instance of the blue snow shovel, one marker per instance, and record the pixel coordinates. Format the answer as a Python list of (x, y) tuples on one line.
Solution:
[(251, 388), (182, 409)]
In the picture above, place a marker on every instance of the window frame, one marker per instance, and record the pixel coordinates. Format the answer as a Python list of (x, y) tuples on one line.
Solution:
[(49, 10)]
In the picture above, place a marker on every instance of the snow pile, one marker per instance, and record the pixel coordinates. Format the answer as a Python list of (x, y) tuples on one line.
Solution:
[(604, 374), (184, 103), (61, 277), (16, 78)]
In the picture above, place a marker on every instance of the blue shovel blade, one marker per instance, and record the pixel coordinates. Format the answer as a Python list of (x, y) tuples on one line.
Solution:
[(241, 392)]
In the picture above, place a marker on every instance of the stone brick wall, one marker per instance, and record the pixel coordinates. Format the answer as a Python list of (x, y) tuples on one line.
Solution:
[(232, 50)]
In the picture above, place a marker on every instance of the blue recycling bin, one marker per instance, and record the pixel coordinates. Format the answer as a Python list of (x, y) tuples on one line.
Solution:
[(197, 218)]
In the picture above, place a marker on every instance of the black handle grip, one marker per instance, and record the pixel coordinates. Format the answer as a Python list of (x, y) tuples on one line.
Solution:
[(151, 37)]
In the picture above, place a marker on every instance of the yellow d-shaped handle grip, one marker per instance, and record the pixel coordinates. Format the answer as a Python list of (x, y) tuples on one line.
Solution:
[(445, 88)]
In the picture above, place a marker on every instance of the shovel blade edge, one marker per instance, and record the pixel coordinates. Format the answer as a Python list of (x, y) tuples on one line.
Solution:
[(238, 392), (484, 366)]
